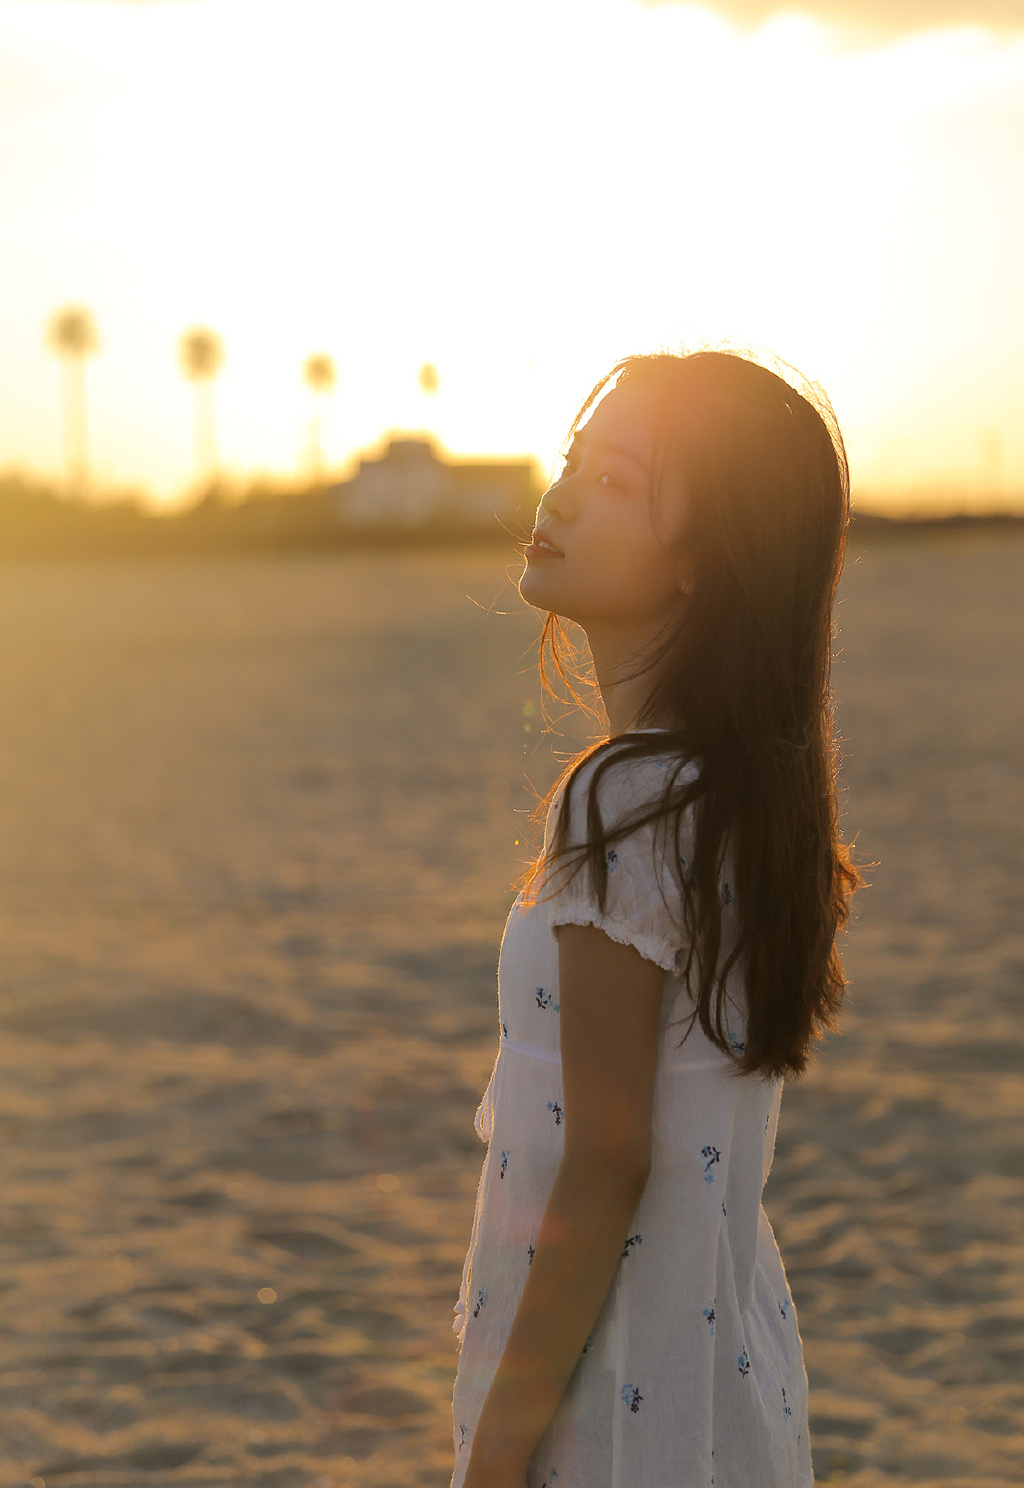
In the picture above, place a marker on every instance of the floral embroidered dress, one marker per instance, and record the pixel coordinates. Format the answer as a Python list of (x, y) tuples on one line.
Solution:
[(693, 1374)]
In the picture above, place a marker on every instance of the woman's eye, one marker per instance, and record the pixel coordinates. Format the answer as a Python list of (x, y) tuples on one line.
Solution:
[(603, 478)]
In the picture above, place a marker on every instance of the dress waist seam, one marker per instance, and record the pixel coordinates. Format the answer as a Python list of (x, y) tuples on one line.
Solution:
[(531, 1051)]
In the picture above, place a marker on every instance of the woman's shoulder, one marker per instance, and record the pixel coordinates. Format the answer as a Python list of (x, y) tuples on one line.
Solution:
[(628, 776), (635, 896), (625, 782)]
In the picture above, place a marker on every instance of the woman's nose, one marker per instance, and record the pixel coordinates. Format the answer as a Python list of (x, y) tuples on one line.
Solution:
[(554, 502)]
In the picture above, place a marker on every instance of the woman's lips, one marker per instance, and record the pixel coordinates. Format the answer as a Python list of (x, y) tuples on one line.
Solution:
[(542, 547)]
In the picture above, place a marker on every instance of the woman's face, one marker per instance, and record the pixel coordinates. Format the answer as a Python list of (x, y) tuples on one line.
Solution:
[(596, 556)]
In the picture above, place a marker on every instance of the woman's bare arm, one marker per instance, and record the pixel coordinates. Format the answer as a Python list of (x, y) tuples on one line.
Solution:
[(610, 1000)]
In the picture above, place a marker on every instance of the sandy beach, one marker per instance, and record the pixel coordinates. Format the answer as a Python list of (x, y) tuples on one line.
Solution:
[(260, 818)]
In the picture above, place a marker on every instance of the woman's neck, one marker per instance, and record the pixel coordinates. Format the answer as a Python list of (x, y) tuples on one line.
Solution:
[(624, 685)]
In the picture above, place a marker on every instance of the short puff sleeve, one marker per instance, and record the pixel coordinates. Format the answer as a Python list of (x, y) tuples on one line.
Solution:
[(642, 901)]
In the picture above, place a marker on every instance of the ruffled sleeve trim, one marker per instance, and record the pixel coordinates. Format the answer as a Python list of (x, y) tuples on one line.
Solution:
[(651, 947)]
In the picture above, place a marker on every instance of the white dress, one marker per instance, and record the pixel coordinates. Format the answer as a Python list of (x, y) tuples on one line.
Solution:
[(694, 1372)]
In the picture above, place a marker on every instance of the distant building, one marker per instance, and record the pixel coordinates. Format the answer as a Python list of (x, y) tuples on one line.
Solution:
[(411, 486)]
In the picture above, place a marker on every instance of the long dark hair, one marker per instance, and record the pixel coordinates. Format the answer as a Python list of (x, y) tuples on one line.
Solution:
[(742, 682)]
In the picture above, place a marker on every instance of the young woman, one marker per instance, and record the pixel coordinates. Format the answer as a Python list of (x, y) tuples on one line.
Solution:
[(624, 1318)]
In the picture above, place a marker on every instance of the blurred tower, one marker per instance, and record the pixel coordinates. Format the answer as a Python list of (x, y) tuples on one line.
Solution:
[(429, 380), (320, 376), (201, 357), (990, 452), (72, 335)]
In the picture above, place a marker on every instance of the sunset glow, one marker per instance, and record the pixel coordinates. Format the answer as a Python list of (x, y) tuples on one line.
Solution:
[(517, 197)]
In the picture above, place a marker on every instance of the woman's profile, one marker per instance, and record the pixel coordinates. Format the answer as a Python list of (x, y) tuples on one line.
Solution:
[(624, 1318)]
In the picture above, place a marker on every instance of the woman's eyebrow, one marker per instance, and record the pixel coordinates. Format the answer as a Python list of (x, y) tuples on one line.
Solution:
[(614, 449)]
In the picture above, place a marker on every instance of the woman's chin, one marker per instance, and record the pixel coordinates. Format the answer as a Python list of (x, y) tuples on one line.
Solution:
[(532, 588)]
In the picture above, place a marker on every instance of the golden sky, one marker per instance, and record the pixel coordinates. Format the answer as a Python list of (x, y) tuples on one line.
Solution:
[(518, 193)]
